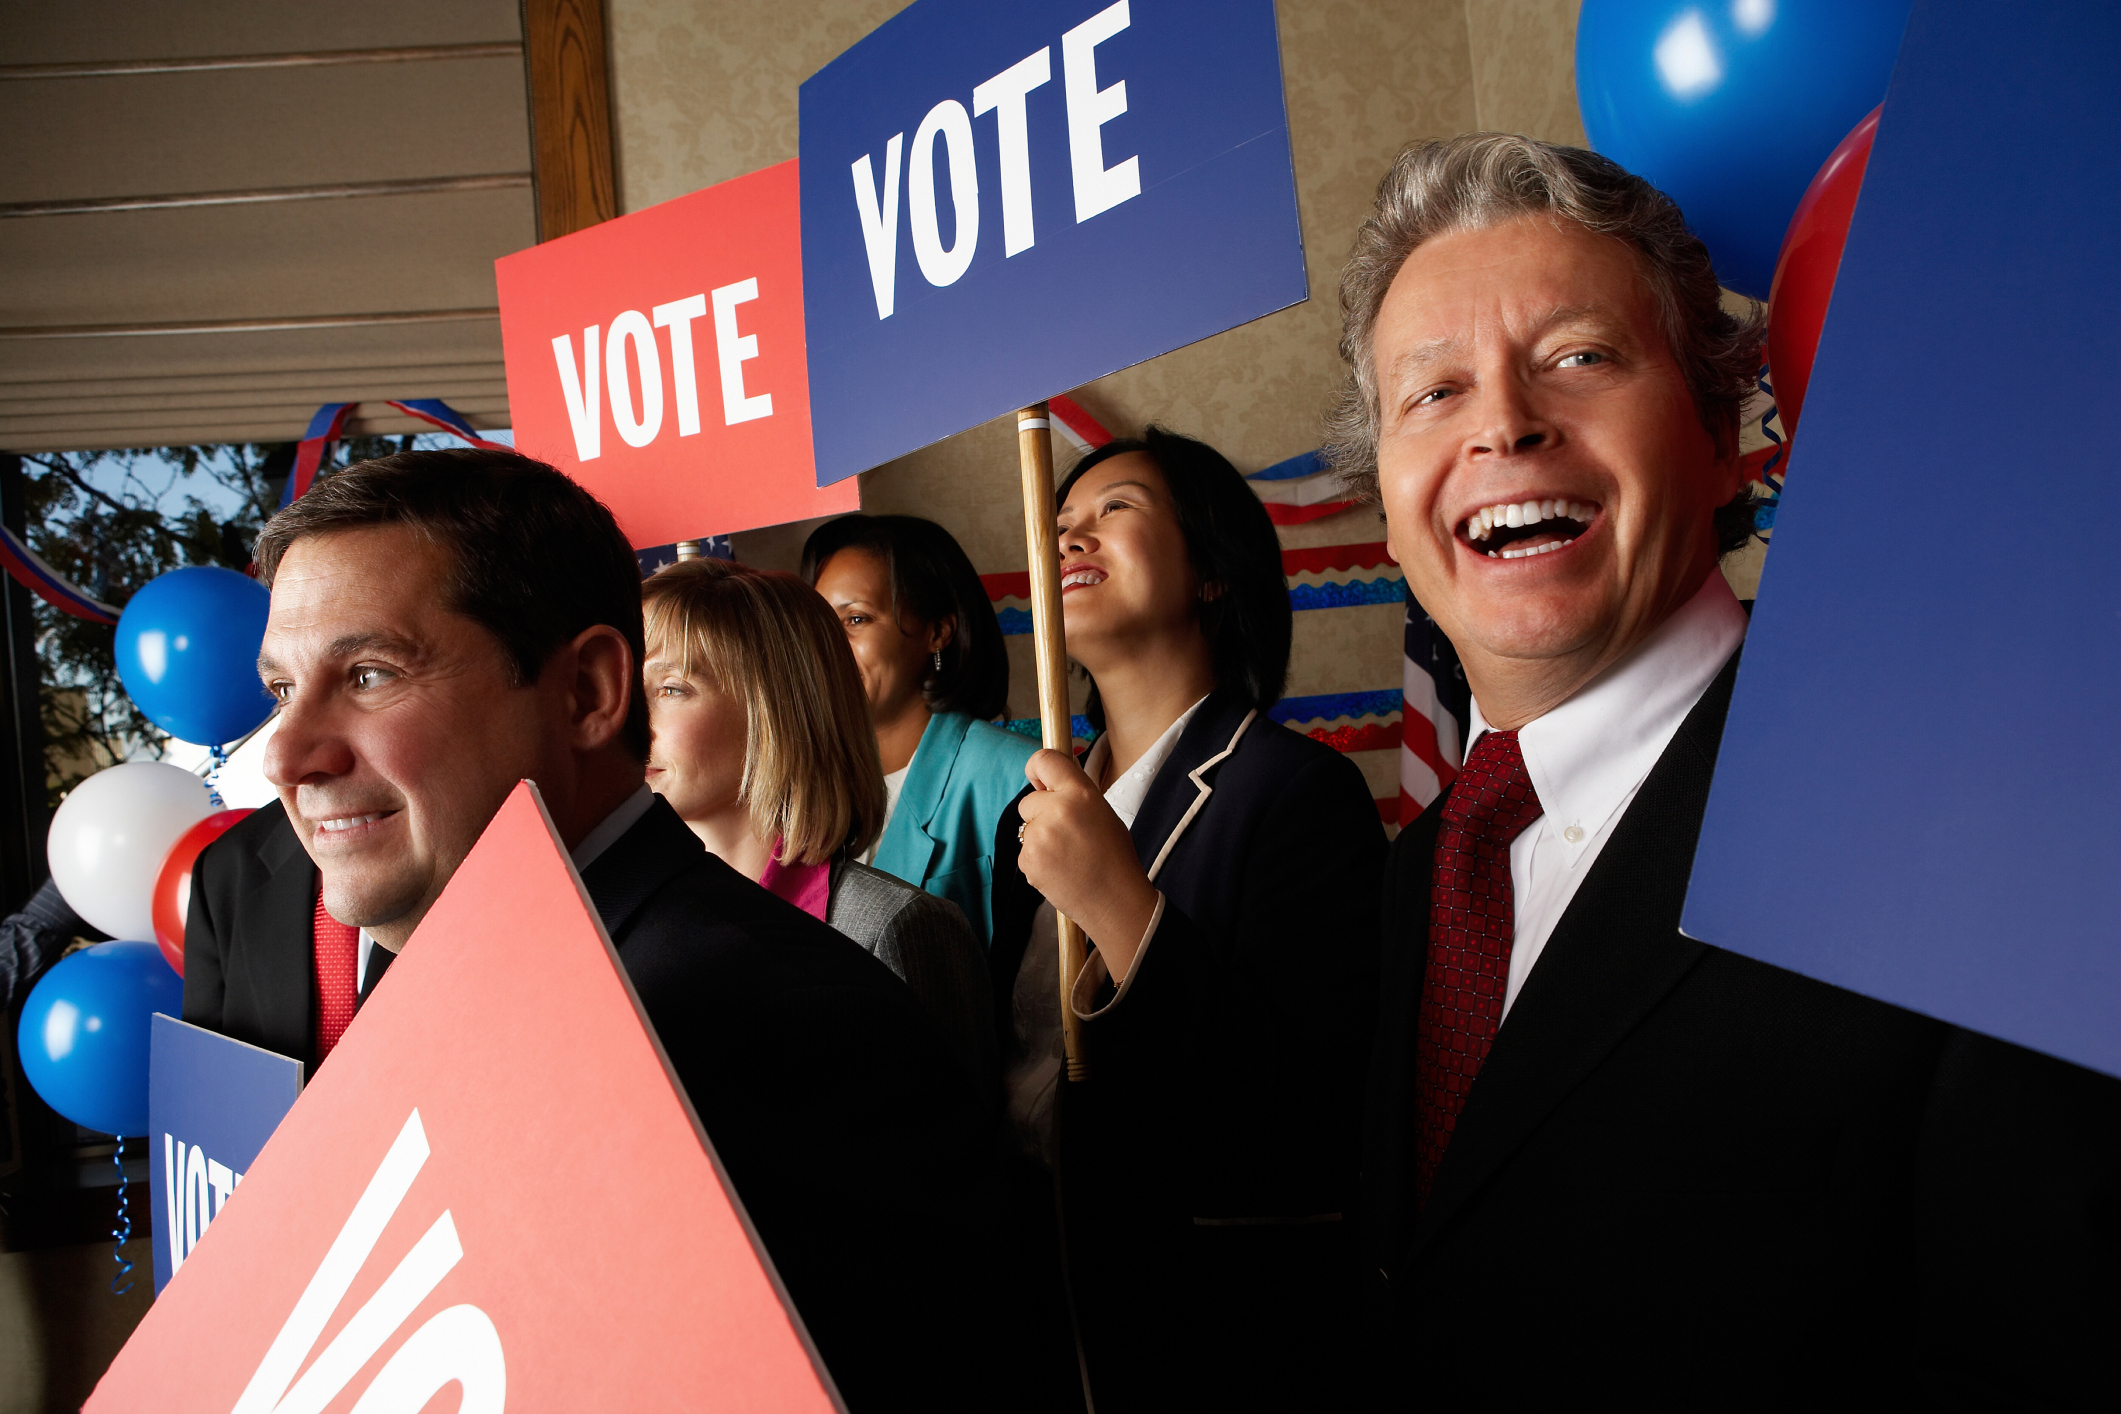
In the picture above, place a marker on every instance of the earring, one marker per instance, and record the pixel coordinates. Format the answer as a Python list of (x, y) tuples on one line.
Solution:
[(938, 663)]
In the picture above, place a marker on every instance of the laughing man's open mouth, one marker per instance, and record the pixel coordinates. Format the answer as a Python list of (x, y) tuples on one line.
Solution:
[(1525, 528)]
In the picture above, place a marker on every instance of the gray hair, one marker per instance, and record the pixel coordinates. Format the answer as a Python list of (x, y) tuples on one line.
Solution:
[(1478, 180)]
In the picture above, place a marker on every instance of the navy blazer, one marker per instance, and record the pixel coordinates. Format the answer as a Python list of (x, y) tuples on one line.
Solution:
[(859, 1149), (1208, 1163), (250, 967), (1686, 1178)]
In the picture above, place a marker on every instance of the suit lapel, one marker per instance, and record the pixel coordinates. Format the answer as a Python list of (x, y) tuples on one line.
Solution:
[(910, 850), (656, 850), (1612, 958), (1182, 787)]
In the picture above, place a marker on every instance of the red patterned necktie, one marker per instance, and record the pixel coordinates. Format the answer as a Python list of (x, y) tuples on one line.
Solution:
[(1472, 923), (335, 978)]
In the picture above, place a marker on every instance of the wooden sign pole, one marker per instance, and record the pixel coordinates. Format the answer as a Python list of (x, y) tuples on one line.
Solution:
[(1034, 447)]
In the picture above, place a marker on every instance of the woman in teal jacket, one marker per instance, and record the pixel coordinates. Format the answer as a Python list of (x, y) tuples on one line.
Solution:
[(935, 670)]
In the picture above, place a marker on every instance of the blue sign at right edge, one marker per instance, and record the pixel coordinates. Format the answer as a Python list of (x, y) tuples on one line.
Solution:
[(1916, 793), (1002, 202)]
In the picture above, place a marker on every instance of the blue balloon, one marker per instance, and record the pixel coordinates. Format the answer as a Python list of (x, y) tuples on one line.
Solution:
[(188, 653), (1730, 108), (84, 1031)]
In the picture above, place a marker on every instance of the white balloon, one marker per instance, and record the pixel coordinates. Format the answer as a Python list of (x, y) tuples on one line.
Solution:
[(109, 838)]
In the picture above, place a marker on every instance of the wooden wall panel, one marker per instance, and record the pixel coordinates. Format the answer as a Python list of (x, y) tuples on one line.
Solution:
[(570, 114)]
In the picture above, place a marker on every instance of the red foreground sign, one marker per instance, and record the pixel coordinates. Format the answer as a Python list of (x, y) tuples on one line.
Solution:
[(493, 1182), (659, 360)]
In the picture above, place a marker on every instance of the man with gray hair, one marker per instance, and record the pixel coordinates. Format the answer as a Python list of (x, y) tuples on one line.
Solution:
[(1601, 1157)]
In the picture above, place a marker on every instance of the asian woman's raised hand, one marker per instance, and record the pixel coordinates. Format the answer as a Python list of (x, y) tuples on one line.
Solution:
[(1078, 854)]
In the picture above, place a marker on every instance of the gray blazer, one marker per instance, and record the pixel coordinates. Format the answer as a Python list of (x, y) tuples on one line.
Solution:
[(927, 942)]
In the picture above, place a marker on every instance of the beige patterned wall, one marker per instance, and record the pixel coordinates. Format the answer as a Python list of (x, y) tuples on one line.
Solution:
[(1524, 67)]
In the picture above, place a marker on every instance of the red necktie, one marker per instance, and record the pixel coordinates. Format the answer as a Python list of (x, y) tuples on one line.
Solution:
[(1472, 923), (335, 978)]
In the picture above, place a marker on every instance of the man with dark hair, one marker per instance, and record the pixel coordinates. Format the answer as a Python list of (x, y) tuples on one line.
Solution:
[(1602, 1158), (445, 624)]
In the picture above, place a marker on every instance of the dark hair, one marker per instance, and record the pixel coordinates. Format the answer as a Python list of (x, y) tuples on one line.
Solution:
[(535, 559), (931, 580), (1230, 543)]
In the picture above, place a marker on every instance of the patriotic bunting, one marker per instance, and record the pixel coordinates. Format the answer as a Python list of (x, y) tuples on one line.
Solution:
[(330, 421), (1076, 427), (40, 579), (1301, 489)]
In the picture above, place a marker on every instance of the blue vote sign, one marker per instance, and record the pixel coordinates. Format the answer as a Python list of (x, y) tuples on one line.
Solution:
[(1003, 202), (211, 1105), (1914, 798)]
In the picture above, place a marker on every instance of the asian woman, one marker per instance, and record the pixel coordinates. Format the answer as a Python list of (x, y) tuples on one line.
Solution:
[(1226, 871)]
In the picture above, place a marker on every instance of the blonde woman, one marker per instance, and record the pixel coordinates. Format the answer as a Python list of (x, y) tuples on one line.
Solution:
[(763, 746)]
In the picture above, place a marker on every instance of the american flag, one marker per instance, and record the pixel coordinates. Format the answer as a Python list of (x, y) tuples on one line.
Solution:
[(1432, 723)]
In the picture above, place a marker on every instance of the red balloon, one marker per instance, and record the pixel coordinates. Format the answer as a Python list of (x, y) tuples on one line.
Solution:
[(173, 884), (1805, 271)]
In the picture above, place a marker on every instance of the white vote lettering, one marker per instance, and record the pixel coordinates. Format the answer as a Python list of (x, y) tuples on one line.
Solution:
[(631, 327), (195, 1211), (459, 1343), (581, 390), (631, 354), (173, 1200), (222, 1181), (1098, 188), (677, 316), (401, 1293), (949, 121), (1004, 96), (194, 1189), (878, 208), (734, 350)]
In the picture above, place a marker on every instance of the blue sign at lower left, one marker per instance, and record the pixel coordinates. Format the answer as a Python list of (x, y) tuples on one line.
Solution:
[(211, 1105)]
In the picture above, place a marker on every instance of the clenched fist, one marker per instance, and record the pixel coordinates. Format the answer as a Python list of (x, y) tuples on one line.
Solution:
[(1078, 854)]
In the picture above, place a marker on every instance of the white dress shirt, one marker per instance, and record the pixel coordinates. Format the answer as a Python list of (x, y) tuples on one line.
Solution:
[(607, 832), (1589, 756), (1131, 789)]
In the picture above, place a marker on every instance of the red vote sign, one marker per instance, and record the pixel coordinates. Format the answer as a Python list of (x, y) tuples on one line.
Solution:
[(659, 360), (493, 1183)]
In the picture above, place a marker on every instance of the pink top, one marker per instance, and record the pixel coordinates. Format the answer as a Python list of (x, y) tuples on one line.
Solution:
[(807, 886)]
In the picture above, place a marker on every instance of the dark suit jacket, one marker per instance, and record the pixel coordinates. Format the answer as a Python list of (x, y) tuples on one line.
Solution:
[(1685, 1177), (1209, 1160), (858, 1147), (250, 966)]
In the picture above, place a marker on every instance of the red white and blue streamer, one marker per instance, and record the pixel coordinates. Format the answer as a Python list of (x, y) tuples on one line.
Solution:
[(1301, 489), (54, 588), (330, 421)]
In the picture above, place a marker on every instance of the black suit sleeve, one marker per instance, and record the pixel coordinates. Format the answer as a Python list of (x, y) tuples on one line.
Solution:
[(946, 969), (2019, 1215), (205, 959), (32, 940)]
